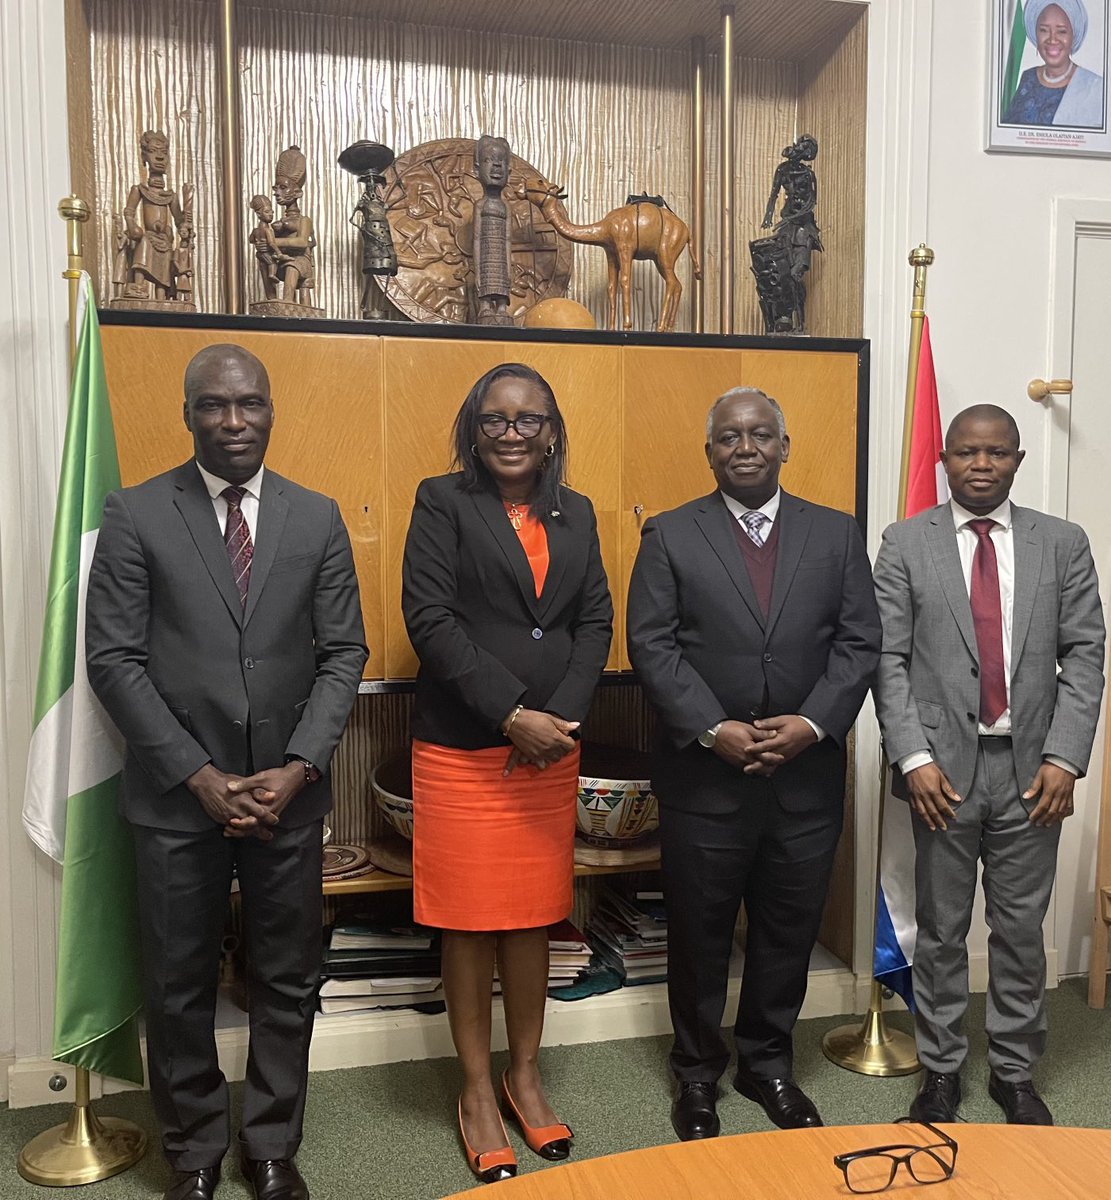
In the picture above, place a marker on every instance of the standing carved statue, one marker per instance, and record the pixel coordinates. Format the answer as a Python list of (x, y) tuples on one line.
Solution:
[(367, 160), (642, 228), (493, 284), (152, 267), (293, 240), (780, 262)]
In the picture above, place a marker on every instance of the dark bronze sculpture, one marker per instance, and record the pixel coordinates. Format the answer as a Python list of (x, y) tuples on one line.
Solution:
[(491, 233), (367, 161), (780, 262)]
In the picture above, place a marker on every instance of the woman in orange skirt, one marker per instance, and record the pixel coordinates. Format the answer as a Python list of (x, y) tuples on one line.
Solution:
[(507, 605)]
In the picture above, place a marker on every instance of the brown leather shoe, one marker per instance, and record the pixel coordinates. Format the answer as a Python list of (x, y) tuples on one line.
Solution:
[(1020, 1101), (194, 1185), (274, 1179), (786, 1104)]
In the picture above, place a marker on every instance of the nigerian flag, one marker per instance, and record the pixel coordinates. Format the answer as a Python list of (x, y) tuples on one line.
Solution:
[(73, 769), (1016, 47)]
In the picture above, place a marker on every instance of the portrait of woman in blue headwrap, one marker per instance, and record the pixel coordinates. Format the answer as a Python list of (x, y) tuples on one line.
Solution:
[(1058, 92)]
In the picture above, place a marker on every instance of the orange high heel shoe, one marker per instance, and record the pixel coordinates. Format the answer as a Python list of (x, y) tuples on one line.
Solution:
[(552, 1142), (491, 1166)]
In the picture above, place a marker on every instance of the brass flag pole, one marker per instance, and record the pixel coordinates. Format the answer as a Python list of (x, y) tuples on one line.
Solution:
[(871, 1048), (87, 1148)]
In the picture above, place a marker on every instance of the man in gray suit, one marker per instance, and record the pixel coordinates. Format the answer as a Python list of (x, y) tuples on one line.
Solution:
[(988, 693), (224, 637)]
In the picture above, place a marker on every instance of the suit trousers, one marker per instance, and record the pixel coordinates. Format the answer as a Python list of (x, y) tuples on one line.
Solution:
[(778, 863), (184, 879), (1019, 859)]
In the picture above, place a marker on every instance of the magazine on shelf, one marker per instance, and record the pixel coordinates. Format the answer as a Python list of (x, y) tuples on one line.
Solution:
[(379, 987)]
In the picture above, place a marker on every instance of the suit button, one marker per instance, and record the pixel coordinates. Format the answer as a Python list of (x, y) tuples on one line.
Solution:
[(248, 663), (537, 634), (975, 673), (754, 712), (971, 716), (767, 658), (237, 724)]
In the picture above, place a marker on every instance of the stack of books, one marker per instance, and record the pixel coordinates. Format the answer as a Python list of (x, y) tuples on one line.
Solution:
[(369, 965), (629, 933), (568, 954)]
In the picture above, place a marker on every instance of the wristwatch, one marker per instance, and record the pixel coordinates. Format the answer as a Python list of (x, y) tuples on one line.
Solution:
[(312, 774), (710, 736)]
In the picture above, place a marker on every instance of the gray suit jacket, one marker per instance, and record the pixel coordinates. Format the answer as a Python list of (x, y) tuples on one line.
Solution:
[(928, 688), (188, 674)]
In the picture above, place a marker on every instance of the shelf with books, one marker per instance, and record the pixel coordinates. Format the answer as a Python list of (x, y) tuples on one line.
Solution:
[(384, 881)]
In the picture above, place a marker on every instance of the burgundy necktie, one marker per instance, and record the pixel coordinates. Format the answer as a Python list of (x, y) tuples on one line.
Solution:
[(987, 616), (237, 538)]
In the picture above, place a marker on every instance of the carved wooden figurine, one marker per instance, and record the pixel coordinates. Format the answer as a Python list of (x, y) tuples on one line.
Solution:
[(367, 160), (152, 267), (491, 233), (293, 244), (642, 228)]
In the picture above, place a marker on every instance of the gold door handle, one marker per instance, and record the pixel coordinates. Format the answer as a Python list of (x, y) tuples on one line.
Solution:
[(1040, 389)]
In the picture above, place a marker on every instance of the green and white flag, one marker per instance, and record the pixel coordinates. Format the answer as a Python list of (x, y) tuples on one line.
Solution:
[(76, 756), (1015, 31)]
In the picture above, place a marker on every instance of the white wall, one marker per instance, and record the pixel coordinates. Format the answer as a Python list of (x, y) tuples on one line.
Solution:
[(989, 220)]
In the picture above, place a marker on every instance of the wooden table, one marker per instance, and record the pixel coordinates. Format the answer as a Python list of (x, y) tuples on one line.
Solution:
[(994, 1162)]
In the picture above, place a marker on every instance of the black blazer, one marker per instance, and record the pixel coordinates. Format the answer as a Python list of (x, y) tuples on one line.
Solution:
[(484, 640), (704, 651)]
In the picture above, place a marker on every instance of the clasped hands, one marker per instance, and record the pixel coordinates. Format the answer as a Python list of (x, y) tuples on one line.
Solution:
[(539, 738), (247, 806), (765, 745), (935, 799)]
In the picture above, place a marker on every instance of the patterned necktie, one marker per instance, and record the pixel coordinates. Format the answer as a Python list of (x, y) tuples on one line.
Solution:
[(987, 616), (237, 538), (754, 525)]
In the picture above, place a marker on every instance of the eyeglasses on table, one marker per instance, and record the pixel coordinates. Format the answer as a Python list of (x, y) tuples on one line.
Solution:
[(873, 1169)]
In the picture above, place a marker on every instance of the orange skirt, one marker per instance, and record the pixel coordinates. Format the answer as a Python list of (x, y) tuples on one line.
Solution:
[(491, 853)]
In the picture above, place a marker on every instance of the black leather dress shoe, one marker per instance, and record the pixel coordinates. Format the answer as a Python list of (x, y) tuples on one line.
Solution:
[(786, 1104), (694, 1112), (938, 1098), (194, 1185), (274, 1179), (1020, 1101)]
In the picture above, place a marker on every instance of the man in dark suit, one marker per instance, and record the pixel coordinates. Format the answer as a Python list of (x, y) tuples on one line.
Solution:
[(752, 626), (988, 694), (225, 639)]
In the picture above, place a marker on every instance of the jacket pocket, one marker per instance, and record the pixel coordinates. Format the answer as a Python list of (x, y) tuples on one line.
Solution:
[(929, 714)]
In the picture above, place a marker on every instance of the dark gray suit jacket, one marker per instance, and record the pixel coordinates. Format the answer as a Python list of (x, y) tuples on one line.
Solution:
[(188, 674), (928, 687), (704, 651)]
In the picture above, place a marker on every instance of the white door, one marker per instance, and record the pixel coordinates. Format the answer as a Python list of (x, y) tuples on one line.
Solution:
[(1082, 436)]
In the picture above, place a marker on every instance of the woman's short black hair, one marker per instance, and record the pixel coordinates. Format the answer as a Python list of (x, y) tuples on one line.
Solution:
[(553, 472)]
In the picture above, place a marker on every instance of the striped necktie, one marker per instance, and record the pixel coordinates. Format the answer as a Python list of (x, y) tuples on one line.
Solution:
[(237, 538)]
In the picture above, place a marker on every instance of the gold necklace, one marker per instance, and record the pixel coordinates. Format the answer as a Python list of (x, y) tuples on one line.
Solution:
[(516, 516)]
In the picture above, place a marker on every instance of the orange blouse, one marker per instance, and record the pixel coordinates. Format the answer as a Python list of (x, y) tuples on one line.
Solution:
[(534, 539)]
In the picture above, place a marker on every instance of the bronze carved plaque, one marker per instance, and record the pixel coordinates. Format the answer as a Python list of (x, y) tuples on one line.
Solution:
[(430, 196)]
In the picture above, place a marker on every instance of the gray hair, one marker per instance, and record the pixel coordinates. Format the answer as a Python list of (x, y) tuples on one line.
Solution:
[(735, 394)]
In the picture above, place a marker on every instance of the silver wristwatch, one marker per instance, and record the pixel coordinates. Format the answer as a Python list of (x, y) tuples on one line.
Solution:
[(710, 736)]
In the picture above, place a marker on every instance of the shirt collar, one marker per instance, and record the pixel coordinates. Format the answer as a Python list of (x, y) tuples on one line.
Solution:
[(770, 510), (1001, 515), (215, 485)]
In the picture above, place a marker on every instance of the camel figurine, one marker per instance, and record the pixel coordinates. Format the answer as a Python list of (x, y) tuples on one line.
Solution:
[(637, 230)]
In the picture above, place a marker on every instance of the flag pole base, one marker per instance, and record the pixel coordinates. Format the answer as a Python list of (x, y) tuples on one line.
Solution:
[(85, 1149), (871, 1048)]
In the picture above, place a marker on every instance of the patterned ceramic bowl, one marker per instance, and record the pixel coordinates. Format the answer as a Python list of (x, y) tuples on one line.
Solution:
[(391, 782), (616, 807)]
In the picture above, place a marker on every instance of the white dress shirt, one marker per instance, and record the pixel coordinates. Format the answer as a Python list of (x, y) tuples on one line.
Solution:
[(771, 511), (249, 504), (1002, 538)]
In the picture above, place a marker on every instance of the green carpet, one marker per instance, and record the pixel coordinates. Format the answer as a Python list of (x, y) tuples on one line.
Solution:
[(388, 1133)]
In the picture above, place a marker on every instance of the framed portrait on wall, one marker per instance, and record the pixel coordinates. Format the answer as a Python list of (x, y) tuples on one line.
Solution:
[(1048, 79)]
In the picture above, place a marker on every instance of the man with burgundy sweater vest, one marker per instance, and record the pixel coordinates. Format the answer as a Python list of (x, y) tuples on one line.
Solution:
[(753, 628)]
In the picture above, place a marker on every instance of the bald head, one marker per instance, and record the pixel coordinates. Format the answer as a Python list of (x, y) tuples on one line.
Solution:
[(212, 361), (228, 411), (982, 413)]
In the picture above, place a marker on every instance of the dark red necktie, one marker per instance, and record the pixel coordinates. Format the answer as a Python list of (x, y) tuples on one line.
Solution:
[(237, 538), (987, 616)]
